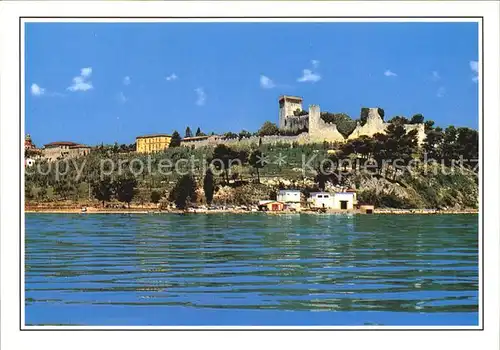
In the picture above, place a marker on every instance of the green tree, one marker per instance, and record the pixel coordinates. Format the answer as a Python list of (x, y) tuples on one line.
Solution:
[(450, 147), (428, 125), (222, 159), (175, 141), (298, 112), (155, 197), (400, 144), (209, 186), (268, 129), (125, 189), (102, 190), (399, 120), (417, 119), (244, 134), (28, 191), (188, 132), (345, 125), (63, 188), (468, 143), (257, 161), (184, 192), (433, 144), (199, 133), (42, 194), (242, 155), (230, 135)]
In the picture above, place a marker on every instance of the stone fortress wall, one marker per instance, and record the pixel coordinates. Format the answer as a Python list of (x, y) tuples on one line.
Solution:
[(375, 124), (248, 141), (318, 130)]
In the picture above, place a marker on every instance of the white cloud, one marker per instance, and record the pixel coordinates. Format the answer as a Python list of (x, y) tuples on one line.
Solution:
[(309, 76), (86, 72), (36, 90), (201, 96), (266, 82), (441, 92), (171, 77), (435, 76), (122, 98), (81, 82), (475, 69), (126, 80), (474, 66), (389, 73)]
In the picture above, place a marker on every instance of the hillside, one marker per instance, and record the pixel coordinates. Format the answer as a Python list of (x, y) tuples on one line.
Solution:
[(312, 167)]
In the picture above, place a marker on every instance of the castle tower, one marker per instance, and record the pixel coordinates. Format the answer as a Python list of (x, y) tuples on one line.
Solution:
[(288, 105), (314, 119)]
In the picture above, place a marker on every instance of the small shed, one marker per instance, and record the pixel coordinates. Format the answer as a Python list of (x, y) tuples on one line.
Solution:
[(344, 200), (321, 200), (366, 209), (271, 205), (291, 198)]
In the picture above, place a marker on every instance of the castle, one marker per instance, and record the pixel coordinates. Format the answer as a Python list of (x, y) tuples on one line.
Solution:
[(293, 118), (308, 127)]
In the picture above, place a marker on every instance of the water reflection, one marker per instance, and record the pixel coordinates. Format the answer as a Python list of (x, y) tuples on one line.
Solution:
[(299, 262)]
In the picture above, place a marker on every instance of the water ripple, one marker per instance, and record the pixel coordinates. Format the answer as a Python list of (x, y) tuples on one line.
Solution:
[(303, 262)]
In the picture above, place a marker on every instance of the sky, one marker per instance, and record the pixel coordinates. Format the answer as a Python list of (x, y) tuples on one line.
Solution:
[(96, 83)]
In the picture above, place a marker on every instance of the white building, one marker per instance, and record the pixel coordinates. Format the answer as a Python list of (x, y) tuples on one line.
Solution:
[(337, 201), (321, 200), (344, 200), (290, 197)]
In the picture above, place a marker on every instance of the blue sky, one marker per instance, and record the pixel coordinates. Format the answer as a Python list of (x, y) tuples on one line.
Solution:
[(110, 82)]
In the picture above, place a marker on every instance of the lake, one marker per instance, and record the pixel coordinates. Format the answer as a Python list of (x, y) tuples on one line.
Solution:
[(251, 270)]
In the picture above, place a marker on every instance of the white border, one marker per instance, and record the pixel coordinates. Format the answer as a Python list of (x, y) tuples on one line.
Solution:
[(296, 20), (9, 161)]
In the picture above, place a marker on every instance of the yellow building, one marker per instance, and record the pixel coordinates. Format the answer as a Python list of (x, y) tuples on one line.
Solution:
[(152, 143)]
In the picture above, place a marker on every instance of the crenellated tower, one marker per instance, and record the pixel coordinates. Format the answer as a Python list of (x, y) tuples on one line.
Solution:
[(288, 105)]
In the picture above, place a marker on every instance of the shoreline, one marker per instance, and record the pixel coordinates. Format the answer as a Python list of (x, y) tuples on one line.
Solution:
[(239, 211)]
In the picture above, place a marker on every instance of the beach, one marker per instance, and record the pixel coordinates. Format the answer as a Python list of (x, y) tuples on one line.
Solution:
[(154, 210)]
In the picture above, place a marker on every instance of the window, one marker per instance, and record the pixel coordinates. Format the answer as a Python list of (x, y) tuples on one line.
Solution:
[(326, 196), (320, 196)]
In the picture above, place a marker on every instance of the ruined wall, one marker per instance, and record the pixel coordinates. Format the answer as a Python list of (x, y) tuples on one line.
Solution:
[(375, 124), (302, 138), (293, 123), (319, 130)]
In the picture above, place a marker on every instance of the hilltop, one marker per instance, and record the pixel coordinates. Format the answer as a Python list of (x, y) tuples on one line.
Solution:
[(414, 183)]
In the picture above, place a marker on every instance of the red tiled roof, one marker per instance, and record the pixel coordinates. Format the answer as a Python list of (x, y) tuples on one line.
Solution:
[(79, 146), (66, 143), (61, 143)]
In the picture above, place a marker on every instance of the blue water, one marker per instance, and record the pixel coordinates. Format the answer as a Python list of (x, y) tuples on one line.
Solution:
[(253, 270)]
